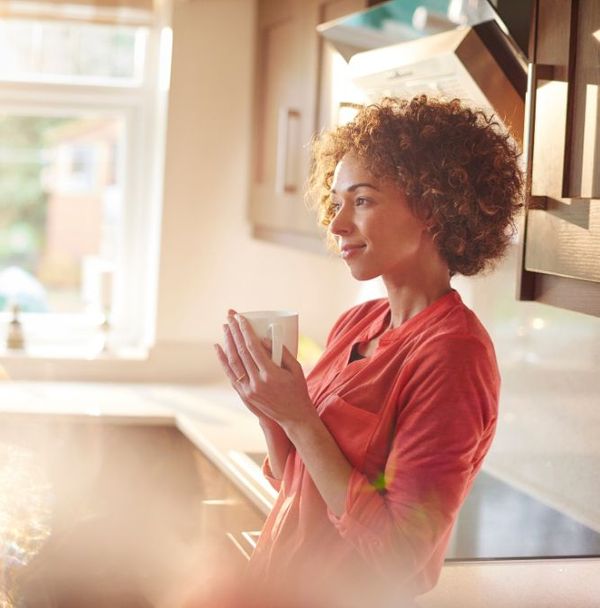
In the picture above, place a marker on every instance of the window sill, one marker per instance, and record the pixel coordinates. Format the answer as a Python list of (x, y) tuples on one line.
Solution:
[(172, 362), (73, 353)]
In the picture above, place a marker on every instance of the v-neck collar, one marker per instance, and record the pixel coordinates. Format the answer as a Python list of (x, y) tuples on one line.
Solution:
[(379, 325), (381, 320)]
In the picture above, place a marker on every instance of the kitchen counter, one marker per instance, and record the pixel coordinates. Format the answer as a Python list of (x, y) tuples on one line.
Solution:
[(214, 419)]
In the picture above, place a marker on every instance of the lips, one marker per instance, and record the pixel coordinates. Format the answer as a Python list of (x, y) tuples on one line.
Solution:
[(351, 250)]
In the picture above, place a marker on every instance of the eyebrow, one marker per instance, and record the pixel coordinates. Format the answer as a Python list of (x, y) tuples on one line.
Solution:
[(353, 187)]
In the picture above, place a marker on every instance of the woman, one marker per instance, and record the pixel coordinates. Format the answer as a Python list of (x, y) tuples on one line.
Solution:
[(374, 453)]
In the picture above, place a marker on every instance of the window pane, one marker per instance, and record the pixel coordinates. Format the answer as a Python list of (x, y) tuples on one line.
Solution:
[(61, 192), (71, 52)]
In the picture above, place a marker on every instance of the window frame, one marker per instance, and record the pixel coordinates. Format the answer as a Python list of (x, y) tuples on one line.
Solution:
[(142, 106)]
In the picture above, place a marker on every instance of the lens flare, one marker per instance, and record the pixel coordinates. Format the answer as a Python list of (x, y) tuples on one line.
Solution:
[(25, 513)]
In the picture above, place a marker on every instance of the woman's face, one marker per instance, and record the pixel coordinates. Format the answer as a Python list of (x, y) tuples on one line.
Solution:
[(375, 230)]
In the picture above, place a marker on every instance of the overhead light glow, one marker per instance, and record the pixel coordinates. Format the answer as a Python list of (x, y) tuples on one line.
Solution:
[(538, 323)]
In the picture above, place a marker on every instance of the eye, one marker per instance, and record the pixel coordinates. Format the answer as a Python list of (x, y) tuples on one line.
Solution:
[(360, 201), (334, 207)]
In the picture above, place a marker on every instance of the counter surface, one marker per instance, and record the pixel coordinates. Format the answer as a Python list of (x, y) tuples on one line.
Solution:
[(215, 420)]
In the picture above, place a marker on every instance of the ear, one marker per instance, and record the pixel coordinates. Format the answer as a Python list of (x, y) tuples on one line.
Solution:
[(429, 229)]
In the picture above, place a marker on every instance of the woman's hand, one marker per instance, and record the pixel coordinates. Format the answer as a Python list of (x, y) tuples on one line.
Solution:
[(280, 395), (234, 370), (277, 393)]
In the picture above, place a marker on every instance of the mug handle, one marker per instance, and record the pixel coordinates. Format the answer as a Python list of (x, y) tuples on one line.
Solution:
[(276, 343)]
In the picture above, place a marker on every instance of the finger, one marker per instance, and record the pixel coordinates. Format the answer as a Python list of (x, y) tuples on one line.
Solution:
[(235, 383), (241, 347), (257, 350), (225, 363), (231, 351), (288, 361)]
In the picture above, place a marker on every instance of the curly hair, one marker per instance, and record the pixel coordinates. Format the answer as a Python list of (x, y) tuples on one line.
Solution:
[(457, 166)]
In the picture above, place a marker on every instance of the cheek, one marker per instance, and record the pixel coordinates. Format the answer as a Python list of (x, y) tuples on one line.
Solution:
[(399, 240)]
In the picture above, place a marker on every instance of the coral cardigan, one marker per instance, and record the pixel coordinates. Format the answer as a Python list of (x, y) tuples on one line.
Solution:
[(415, 420)]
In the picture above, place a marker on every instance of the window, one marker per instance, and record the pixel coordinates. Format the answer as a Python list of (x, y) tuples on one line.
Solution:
[(60, 208), (71, 52), (81, 121)]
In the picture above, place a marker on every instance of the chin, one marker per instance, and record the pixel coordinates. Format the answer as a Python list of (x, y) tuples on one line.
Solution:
[(363, 274)]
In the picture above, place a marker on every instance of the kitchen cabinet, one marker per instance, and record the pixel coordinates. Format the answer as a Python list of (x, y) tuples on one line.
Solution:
[(111, 512), (292, 102), (228, 517), (560, 248)]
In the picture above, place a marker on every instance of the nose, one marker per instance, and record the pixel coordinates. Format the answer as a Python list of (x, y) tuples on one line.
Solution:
[(342, 223)]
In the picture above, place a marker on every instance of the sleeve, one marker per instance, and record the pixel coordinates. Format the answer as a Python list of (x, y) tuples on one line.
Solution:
[(444, 425)]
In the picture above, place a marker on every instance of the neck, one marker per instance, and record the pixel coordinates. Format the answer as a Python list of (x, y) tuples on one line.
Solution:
[(414, 285), (416, 291)]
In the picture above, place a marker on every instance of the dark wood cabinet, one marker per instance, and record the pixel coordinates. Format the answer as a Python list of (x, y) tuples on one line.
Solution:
[(560, 253)]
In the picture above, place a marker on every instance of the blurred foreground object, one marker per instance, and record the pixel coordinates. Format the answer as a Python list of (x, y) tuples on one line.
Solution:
[(25, 515)]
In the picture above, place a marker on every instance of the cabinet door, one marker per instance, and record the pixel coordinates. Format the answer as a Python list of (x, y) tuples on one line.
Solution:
[(317, 79), (228, 519), (561, 246), (290, 80), (566, 145), (279, 114)]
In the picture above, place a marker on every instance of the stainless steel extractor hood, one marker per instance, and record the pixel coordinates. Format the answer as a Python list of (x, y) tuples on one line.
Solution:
[(454, 48)]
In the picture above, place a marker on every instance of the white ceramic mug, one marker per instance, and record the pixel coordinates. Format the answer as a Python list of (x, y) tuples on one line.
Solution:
[(280, 326)]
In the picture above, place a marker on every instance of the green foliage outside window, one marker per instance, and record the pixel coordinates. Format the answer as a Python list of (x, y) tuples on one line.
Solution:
[(23, 200)]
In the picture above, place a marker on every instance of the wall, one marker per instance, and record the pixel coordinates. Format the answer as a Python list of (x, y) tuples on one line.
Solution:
[(549, 423), (209, 261)]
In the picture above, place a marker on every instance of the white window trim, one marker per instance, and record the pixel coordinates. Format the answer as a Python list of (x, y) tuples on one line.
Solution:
[(144, 109)]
